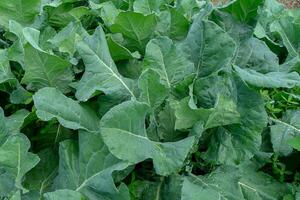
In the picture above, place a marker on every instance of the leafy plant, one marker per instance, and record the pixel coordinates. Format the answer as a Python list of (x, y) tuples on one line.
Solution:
[(144, 100)]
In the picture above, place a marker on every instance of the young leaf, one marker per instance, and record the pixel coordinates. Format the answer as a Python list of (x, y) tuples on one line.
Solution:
[(101, 72), (125, 136), (51, 103)]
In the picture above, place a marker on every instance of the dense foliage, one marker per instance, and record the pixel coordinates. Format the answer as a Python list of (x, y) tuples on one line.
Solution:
[(149, 100)]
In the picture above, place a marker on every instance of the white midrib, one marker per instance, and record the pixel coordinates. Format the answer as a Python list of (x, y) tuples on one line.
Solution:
[(284, 123), (164, 67), (116, 76), (19, 159)]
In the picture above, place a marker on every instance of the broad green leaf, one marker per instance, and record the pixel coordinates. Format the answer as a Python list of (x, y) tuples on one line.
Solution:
[(86, 166), (40, 178), (136, 27), (22, 11), (107, 11), (243, 10), (223, 113), (6, 74), (245, 184), (237, 143), (284, 130), (173, 24), (117, 50), (288, 29), (295, 143), (62, 14), (168, 60), (11, 125), (51, 103), (101, 72), (147, 6), (66, 39), (269, 80), (203, 44), (166, 120), (163, 188), (126, 138), (15, 161), (64, 194), (45, 70), (188, 7), (153, 91)]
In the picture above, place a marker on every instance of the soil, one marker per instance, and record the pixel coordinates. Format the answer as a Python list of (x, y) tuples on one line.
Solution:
[(287, 3), (291, 3)]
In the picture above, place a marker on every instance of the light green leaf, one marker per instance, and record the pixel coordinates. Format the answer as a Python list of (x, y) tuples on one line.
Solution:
[(40, 179), (269, 80), (284, 130), (136, 27), (153, 92), (245, 184), (101, 72), (118, 51), (203, 44), (147, 6), (168, 60), (51, 103), (64, 194), (295, 143), (68, 37), (45, 70), (15, 160), (5, 72), (245, 11), (223, 113), (11, 125), (288, 29), (236, 143), (86, 166), (125, 136), (173, 24), (22, 11), (107, 11)]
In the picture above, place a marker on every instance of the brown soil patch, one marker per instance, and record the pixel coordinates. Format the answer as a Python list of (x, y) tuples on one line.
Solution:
[(291, 3), (287, 3)]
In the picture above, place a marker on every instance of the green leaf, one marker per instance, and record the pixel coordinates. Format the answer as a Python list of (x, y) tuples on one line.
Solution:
[(126, 138), (236, 143), (223, 113), (86, 166), (64, 194), (285, 130), (203, 44), (22, 11), (245, 184), (243, 10), (66, 39), (269, 80), (43, 69), (101, 72), (136, 27), (147, 6), (5, 72), (11, 125), (168, 60), (40, 178), (172, 24), (51, 103), (153, 91), (288, 29), (15, 160), (295, 143), (117, 50)]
